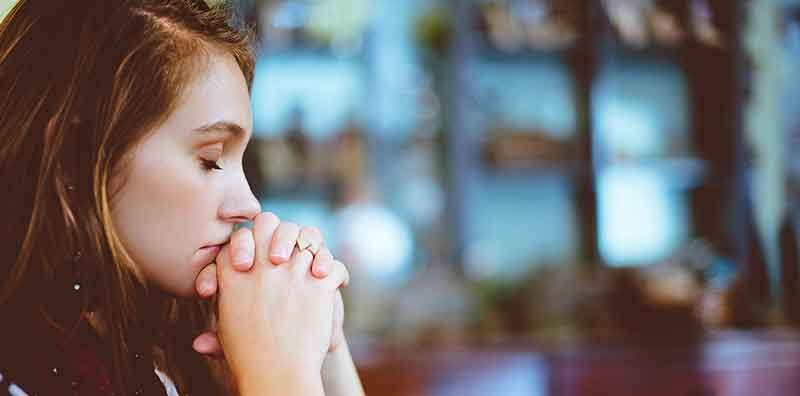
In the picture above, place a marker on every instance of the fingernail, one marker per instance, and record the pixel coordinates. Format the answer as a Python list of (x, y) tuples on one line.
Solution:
[(242, 257), (323, 269), (206, 286)]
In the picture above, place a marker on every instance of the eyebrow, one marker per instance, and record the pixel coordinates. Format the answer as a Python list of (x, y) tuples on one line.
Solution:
[(222, 127)]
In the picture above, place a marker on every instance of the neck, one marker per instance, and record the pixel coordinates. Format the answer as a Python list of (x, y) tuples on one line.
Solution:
[(150, 310)]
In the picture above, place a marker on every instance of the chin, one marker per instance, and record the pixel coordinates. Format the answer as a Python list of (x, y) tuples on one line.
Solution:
[(187, 292), (180, 290)]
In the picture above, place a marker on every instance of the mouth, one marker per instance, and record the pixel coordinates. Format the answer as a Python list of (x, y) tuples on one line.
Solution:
[(207, 254), (211, 248), (216, 245)]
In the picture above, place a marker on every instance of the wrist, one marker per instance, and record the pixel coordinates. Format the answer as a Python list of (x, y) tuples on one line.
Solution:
[(335, 358), (339, 373), (282, 381)]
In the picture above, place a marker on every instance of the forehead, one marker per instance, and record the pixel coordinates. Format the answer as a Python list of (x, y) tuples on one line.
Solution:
[(216, 91)]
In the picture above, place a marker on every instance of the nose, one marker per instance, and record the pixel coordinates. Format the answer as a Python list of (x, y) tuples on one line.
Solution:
[(240, 204)]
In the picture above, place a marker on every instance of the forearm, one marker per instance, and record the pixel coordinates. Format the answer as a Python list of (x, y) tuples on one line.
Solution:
[(339, 375)]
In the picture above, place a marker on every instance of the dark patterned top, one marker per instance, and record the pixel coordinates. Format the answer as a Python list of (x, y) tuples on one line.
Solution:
[(40, 359)]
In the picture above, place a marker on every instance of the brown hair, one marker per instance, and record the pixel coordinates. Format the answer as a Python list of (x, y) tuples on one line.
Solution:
[(81, 83)]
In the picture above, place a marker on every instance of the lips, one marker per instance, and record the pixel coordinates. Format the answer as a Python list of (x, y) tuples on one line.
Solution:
[(221, 243), (210, 248), (207, 254)]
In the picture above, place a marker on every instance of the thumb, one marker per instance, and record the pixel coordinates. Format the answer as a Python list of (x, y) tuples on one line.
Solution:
[(206, 282)]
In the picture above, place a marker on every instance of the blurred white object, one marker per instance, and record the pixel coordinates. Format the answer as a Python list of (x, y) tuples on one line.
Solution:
[(377, 240), (641, 221)]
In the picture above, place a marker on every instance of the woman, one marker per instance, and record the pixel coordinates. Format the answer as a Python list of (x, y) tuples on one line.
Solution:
[(123, 124)]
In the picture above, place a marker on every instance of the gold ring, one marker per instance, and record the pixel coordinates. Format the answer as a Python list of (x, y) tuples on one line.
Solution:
[(309, 247)]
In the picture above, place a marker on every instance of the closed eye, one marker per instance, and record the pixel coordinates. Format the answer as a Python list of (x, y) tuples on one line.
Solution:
[(209, 165)]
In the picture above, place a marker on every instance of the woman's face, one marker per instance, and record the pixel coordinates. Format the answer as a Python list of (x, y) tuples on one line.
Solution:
[(183, 187)]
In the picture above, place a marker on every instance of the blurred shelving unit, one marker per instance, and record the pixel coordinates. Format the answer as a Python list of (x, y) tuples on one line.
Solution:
[(308, 91), (493, 138), (517, 97), (632, 107), (526, 119), (790, 123)]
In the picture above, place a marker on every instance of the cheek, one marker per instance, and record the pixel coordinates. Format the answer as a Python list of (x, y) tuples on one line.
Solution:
[(160, 214)]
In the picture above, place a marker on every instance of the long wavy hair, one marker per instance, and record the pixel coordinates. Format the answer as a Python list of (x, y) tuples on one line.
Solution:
[(81, 83)]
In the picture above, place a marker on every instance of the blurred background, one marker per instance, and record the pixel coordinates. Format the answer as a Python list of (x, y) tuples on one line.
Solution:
[(544, 197)]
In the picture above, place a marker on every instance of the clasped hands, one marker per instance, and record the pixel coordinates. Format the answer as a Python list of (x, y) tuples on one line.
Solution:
[(278, 300)]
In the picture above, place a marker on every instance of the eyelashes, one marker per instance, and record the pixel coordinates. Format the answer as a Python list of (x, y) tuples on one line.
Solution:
[(209, 165), (210, 156)]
